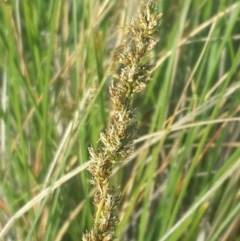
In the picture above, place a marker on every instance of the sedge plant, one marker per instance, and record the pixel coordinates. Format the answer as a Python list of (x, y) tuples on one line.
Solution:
[(184, 181), (116, 143)]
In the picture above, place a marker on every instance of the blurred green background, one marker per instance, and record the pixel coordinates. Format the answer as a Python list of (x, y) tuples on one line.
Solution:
[(182, 181)]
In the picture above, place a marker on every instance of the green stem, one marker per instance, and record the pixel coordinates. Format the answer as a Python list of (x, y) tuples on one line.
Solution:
[(101, 204)]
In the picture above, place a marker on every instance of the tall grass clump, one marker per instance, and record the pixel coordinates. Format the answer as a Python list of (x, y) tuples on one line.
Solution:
[(181, 179), (116, 144)]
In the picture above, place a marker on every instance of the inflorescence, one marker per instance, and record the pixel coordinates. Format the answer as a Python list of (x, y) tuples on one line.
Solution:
[(116, 144)]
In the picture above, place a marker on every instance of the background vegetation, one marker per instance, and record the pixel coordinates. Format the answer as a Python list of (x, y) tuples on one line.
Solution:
[(182, 182)]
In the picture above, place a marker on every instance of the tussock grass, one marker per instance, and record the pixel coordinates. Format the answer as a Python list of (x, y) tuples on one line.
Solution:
[(181, 182)]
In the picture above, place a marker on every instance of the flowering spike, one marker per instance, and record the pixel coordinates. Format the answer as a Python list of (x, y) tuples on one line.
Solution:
[(116, 143)]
